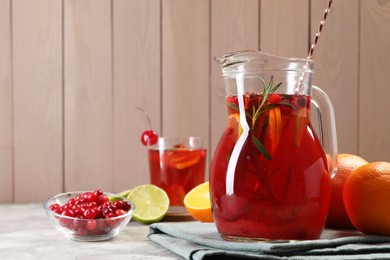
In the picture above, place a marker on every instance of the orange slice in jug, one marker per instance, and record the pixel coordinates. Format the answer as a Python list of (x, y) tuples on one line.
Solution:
[(274, 128), (233, 122)]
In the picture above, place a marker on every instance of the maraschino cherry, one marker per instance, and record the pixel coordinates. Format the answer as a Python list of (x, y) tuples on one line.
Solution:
[(148, 137)]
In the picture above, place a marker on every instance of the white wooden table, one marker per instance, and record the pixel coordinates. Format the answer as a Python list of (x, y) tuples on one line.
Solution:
[(26, 233)]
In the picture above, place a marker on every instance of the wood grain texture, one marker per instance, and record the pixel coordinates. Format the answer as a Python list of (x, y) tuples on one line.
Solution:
[(71, 73), (374, 119), (6, 169), (88, 95), (185, 68), (234, 27), (284, 27), (136, 83), (37, 90), (336, 66)]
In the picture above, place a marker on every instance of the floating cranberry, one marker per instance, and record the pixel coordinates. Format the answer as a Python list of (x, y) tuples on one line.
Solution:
[(274, 98)]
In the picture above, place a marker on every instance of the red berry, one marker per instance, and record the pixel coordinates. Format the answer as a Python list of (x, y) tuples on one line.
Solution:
[(102, 227), (68, 213), (98, 192), (92, 204), (274, 98), (89, 213), (126, 206), (119, 212), (101, 199), (80, 198), (56, 208), (72, 201), (66, 221), (118, 204), (78, 224), (78, 211), (81, 232), (98, 212), (149, 137), (91, 224), (90, 197)]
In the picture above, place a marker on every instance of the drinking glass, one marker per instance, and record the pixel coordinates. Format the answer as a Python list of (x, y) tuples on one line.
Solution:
[(177, 165)]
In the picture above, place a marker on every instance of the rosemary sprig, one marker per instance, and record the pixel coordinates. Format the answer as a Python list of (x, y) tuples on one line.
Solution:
[(261, 109), (261, 147), (267, 91)]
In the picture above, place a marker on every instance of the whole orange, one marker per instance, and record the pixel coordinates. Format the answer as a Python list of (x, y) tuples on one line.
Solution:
[(366, 198), (337, 216)]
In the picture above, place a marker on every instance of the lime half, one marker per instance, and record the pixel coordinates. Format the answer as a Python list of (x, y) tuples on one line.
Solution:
[(151, 203), (119, 196)]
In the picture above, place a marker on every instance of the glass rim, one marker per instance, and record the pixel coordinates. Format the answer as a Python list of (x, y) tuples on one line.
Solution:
[(251, 61), (169, 142)]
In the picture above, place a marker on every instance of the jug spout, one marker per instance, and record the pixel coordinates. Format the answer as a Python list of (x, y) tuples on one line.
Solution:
[(255, 69)]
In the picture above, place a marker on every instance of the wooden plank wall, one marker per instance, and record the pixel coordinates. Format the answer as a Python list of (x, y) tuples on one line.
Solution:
[(72, 72)]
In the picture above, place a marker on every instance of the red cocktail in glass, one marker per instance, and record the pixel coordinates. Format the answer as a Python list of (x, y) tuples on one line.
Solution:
[(177, 165)]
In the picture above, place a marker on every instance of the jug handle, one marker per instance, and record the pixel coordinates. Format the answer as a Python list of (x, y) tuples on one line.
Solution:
[(327, 127)]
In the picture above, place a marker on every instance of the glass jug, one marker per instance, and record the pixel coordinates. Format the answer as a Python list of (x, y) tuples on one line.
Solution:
[(270, 175)]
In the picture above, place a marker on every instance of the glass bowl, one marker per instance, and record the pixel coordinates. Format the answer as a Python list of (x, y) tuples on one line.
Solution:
[(82, 229)]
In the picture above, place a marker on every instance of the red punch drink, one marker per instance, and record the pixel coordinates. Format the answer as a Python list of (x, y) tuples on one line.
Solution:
[(177, 166), (269, 177)]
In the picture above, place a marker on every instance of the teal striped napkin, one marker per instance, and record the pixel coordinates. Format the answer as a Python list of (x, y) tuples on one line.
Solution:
[(196, 240)]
